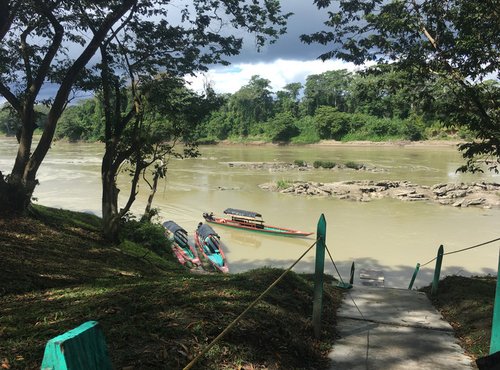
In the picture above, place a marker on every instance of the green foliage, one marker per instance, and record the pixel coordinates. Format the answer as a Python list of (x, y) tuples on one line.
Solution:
[(324, 164), (283, 184), (330, 123), (300, 163), (83, 121), (353, 165), (450, 44), (308, 133), (281, 127), (147, 234)]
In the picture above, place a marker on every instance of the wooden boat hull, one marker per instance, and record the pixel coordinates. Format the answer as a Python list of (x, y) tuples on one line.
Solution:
[(181, 247), (216, 257), (266, 229)]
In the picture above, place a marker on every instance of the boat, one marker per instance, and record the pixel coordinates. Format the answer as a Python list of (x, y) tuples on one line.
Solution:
[(247, 220), (208, 243), (183, 251)]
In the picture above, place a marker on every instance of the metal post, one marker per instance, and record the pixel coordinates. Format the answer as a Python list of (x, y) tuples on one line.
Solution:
[(351, 279), (495, 326), (414, 276), (318, 276), (437, 270)]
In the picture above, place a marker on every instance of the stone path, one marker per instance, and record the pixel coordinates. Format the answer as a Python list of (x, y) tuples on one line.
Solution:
[(400, 330)]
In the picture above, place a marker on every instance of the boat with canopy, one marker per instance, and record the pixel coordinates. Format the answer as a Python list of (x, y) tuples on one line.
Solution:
[(252, 221)]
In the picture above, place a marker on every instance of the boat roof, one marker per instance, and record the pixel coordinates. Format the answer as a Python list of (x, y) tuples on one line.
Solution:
[(173, 227), (240, 212), (206, 230)]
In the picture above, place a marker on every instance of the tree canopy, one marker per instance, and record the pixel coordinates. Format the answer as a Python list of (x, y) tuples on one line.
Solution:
[(37, 51), (456, 41)]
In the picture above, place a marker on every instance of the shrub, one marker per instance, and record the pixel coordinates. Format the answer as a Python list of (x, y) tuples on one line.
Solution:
[(149, 235), (354, 165), (300, 163), (324, 164), (283, 184), (317, 164)]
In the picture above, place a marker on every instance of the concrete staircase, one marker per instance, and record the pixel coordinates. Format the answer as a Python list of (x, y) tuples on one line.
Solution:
[(397, 329)]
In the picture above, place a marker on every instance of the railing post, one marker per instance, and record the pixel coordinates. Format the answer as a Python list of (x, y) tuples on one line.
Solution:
[(495, 326), (437, 270), (318, 276), (414, 276), (351, 279)]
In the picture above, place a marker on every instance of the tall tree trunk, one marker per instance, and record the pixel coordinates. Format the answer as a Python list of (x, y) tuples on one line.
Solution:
[(147, 212), (110, 211)]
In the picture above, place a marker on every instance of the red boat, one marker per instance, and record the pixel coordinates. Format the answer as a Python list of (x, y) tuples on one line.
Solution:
[(252, 221)]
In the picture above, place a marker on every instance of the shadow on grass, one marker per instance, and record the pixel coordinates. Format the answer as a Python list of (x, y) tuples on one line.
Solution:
[(163, 324)]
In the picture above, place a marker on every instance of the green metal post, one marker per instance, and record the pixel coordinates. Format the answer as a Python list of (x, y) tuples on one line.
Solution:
[(318, 276), (437, 271), (495, 327), (351, 279), (414, 276)]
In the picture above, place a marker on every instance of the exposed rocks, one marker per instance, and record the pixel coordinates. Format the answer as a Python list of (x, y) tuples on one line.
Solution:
[(479, 194), (285, 166)]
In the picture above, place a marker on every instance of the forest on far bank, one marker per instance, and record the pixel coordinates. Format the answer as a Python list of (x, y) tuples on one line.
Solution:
[(378, 104)]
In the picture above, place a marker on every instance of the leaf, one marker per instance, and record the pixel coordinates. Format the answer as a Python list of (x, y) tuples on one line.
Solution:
[(5, 364)]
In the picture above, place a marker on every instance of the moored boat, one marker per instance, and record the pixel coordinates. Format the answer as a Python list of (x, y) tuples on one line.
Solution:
[(208, 243), (252, 221), (183, 251)]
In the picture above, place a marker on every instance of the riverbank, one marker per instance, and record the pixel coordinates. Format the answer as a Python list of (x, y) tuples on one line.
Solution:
[(336, 143), (57, 272)]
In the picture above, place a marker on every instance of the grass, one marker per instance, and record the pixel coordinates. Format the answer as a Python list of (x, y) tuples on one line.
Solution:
[(467, 304), (57, 273), (283, 184)]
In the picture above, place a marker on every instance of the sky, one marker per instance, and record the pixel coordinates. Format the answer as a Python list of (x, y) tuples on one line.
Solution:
[(288, 60)]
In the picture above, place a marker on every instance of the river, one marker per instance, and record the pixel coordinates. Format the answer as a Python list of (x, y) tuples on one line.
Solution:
[(386, 234)]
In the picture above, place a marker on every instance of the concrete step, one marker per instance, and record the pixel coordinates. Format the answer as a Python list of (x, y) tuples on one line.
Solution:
[(397, 329)]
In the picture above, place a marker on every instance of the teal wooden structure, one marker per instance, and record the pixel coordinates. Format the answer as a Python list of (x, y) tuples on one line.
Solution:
[(82, 348), (495, 327), (437, 270), (414, 276), (318, 275)]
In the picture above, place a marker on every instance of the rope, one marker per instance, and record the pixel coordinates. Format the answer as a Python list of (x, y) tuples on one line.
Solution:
[(357, 308), (462, 250), (235, 321)]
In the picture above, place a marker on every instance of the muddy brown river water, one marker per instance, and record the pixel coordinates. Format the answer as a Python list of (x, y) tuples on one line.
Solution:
[(385, 234)]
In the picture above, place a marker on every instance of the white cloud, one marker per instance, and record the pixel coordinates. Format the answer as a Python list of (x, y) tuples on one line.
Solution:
[(279, 72)]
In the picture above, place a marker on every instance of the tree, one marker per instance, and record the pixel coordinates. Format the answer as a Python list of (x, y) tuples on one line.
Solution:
[(35, 35), (288, 99), (154, 35), (457, 40), (131, 60), (252, 104), (329, 89)]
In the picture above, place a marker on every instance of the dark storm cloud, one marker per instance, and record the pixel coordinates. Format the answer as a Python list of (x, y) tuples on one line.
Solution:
[(305, 20)]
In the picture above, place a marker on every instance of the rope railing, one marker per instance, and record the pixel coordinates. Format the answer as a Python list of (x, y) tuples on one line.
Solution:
[(438, 260), (462, 250), (238, 319)]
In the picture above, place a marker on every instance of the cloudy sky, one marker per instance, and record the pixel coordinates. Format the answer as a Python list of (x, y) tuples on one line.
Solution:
[(288, 60)]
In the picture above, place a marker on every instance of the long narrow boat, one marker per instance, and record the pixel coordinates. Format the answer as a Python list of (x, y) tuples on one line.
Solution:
[(208, 243), (183, 251), (247, 220)]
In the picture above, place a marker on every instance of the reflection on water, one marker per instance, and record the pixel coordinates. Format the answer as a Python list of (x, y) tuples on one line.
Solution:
[(384, 234)]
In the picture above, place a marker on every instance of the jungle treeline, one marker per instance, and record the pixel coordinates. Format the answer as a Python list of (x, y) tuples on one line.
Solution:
[(376, 104)]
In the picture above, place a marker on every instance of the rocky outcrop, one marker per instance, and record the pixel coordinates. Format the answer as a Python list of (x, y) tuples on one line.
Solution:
[(479, 194), (285, 166)]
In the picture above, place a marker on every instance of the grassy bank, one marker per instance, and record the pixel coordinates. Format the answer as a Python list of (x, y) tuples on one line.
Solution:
[(467, 304), (57, 272)]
